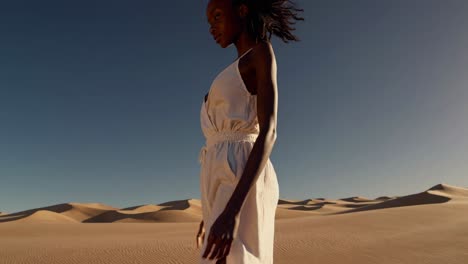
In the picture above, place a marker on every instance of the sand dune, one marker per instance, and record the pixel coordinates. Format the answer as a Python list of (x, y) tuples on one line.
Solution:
[(176, 211), (440, 193), (357, 199), (452, 192), (189, 210), (143, 208), (43, 216), (75, 211), (385, 197), (427, 227), (299, 202)]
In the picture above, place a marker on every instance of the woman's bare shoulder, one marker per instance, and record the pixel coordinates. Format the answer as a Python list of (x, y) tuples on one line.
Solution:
[(264, 57), (264, 51)]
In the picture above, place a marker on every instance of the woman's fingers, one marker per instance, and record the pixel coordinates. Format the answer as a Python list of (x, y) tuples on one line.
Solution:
[(201, 232), (221, 261), (219, 246), (199, 241), (215, 244), (200, 236), (226, 248), (200, 229), (209, 245), (222, 249)]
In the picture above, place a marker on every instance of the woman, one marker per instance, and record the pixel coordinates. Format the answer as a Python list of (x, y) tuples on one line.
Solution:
[(238, 184)]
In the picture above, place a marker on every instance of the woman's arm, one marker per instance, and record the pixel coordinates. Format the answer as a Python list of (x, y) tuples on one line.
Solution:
[(267, 105), (201, 234)]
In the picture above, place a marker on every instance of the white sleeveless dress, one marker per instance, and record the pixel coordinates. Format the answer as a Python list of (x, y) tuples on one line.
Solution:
[(230, 125)]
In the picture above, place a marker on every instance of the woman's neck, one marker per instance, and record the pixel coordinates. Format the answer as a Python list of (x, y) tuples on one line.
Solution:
[(244, 42)]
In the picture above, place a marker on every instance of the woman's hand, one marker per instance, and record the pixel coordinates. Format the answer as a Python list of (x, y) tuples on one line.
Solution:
[(220, 236), (200, 235)]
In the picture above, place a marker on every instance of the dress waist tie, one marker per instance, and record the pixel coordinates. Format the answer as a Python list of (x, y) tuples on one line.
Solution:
[(225, 136)]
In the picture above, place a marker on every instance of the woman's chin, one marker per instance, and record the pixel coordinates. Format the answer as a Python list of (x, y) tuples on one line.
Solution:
[(222, 44)]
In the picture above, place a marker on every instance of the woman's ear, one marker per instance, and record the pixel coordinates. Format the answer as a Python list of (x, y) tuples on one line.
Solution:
[(243, 10)]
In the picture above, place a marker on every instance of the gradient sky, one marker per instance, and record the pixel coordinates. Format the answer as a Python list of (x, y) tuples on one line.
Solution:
[(100, 100)]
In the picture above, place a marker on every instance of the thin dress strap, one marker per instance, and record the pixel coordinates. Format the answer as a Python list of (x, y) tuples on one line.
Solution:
[(205, 99), (244, 53)]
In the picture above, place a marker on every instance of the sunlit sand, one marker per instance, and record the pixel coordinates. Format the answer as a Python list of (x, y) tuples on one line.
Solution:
[(426, 227)]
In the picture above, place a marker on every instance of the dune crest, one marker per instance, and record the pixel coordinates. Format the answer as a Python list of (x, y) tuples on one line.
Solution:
[(188, 210), (449, 191), (356, 199), (440, 193), (142, 208), (43, 216)]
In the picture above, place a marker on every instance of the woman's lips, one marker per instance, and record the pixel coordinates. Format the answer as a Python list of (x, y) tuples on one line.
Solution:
[(218, 38)]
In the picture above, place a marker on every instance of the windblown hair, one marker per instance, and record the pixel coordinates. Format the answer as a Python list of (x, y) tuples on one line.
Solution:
[(271, 16)]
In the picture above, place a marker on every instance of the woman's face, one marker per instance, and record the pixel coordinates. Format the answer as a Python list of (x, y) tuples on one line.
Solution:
[(224, 22)]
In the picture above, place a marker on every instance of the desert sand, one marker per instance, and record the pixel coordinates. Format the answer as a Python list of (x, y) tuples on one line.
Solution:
[(426, 227)]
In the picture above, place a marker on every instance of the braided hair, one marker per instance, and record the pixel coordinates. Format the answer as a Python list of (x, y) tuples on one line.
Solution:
[(271, 16)]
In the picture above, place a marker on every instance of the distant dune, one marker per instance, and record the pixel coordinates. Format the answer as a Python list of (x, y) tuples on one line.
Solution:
[(357, 199), (175, 211), (44, 216), (75, 211), (440, 193), (189, 210)]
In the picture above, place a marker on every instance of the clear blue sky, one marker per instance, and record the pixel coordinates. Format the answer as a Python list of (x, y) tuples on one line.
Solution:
[(100, 100)]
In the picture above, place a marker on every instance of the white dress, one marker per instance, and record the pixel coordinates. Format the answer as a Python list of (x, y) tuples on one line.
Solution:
[(230, 125)]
